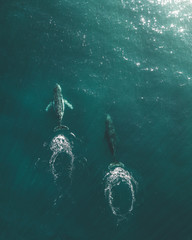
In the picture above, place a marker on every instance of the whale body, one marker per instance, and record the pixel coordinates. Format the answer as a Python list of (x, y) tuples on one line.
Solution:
[(111, 136), (58, 105)]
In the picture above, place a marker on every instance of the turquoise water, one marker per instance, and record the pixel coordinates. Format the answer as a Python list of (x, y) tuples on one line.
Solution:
[(130, 59)]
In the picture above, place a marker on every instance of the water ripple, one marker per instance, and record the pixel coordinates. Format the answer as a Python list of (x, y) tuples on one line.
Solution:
[(118, 175), (60, 144)]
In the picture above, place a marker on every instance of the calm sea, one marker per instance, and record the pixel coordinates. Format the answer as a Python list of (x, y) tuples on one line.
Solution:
[(127, 58)]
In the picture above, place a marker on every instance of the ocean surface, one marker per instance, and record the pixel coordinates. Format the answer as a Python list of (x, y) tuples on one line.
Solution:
[(129, 59)]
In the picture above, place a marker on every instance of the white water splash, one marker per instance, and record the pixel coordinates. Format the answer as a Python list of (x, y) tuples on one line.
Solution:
[(60, 144), (114, 178)]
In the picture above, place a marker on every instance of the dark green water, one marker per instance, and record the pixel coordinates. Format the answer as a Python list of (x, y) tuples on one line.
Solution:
[(131, 59)]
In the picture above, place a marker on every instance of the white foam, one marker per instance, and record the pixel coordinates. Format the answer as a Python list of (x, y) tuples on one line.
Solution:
[(114, 178), (60, 144)]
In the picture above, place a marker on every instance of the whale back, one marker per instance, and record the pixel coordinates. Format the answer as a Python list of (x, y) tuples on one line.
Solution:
[(110, 135), (58, 102)]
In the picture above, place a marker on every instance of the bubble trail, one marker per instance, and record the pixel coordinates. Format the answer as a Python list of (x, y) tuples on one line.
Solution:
[(117, 175), (60, 144)]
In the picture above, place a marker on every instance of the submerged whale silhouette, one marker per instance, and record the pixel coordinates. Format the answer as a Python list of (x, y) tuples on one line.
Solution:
[(111, 136), (58, 105)]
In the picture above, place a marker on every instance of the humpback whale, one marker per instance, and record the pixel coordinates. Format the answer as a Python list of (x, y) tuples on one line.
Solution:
[(58, 105), (111, 136)]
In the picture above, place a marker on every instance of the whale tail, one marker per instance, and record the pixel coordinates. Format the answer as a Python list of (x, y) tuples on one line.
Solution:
[(60, 127)]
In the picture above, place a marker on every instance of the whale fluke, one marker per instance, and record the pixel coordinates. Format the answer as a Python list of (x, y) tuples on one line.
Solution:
[(60, 127)]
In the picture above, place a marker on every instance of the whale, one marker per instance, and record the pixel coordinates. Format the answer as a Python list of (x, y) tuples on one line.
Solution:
[(110, 136), (58, 104)]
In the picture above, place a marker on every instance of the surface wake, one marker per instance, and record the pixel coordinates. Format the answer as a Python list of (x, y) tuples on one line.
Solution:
[(60, 144), (116, 176)]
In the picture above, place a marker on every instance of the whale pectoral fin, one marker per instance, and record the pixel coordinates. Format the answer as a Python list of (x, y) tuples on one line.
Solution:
[(68, 104), (49, 106)]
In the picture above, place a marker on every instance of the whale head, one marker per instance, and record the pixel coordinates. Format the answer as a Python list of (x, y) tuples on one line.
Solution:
[(108, 119), (57, 88)]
